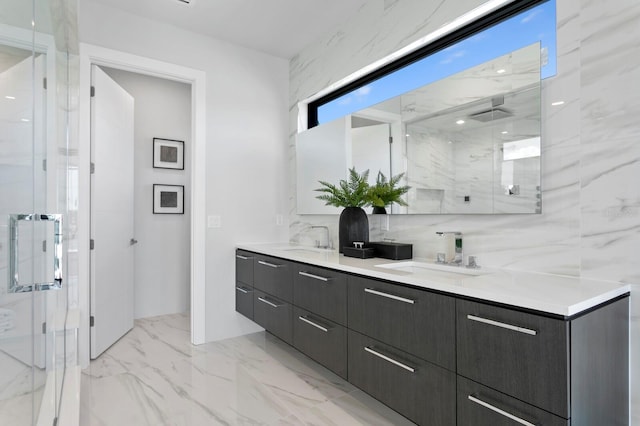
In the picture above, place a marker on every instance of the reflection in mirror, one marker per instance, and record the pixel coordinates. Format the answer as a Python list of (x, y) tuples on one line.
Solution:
[(327, 152), (473, 139), (468, 144)]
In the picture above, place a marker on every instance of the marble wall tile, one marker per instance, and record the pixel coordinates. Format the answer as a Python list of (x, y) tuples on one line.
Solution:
[(590, 221), (610, 158)]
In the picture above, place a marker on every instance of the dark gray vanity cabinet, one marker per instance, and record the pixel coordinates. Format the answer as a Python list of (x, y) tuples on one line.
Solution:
[(320, 316), (274, 314), (521, 354), (273, 276), (244, 283), (419, 390), (574, 369), (479, 405), (321, 291), (416, 321), (441, 359), (321, 340)]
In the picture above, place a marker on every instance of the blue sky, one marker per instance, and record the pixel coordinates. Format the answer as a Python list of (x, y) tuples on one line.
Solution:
[(536, 24)]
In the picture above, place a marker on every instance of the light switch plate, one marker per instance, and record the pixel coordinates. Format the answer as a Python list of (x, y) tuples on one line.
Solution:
[(279, 220), (214, 221)]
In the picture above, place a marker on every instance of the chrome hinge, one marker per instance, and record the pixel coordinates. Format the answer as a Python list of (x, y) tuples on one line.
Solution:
[(390, 139), (92, 244), (44, 164), (92, 321), (44, 328), (93, 91), (92, 168), (44, 245), (44, 83)]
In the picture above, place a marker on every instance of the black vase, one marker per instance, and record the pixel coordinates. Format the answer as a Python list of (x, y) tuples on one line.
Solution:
[(353, 226), (379, 210)]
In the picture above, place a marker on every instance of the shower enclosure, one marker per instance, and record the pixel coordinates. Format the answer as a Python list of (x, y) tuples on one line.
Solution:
[(38, 211)]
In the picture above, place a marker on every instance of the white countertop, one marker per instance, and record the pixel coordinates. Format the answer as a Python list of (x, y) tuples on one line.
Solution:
[(554, 294)]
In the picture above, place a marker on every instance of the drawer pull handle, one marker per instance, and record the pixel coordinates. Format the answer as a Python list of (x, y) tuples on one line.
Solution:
[(315, 277), (243, 290), (389, 296), (502, 325), (241, 257), (270, 265), (263, 300), (391, 360), (499, 411), (318, 326)]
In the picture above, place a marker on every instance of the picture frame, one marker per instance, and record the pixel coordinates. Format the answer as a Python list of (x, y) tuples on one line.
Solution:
[(168, 199), (168, 154)]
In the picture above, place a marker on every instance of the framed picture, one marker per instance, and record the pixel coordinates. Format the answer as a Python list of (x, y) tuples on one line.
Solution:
[(168, 154), (168, 199)]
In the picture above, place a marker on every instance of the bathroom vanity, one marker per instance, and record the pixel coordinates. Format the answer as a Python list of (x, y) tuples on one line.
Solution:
[(444, 345)]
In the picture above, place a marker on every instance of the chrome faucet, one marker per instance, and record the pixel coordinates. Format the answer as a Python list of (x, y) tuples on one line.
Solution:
[(328, 245), (458, 258)]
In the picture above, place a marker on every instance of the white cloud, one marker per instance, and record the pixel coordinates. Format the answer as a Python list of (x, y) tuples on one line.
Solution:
[(455, 55), (363, 91), (530, 16)]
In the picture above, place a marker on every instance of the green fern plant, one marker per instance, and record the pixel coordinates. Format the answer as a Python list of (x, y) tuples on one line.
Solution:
[(385, 191), (351, 193)]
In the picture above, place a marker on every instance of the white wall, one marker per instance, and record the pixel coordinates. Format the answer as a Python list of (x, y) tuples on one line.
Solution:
[(590, 221), (247, 157), (162, 109)]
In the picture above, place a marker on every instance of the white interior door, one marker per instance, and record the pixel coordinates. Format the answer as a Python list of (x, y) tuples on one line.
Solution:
[(112, 219), (371, 150)]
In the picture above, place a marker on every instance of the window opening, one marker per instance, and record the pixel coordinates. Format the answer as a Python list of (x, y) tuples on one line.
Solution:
[(514, 26)]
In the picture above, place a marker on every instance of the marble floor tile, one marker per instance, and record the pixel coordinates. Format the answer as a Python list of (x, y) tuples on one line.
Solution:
[(153, 342), (153, 376)]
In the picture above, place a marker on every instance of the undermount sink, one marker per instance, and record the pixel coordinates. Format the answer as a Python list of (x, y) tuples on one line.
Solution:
[(422, 267), (306, 250)]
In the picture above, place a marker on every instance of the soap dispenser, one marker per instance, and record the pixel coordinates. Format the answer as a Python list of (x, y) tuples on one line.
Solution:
[(450, 248)]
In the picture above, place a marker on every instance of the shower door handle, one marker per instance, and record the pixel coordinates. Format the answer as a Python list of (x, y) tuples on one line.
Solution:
[(14, 262)]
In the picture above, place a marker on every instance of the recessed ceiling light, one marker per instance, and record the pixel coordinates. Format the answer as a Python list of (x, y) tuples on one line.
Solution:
[(26, 120), (557, 103), (460, 122), (504, 132), (9, 97), (501, 71)]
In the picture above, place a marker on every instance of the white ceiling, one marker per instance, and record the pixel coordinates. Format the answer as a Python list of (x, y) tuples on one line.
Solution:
[(279, 27)]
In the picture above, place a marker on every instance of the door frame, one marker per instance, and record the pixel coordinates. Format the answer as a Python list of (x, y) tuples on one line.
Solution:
[(96, 55)]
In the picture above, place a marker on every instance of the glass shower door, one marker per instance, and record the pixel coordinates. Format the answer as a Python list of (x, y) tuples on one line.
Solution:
[(23, 264), (36, 341)]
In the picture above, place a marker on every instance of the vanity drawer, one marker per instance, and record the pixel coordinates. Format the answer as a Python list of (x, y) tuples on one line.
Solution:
[(521, 354), (273, 275), (244, 267), (481, 406), (321, 291), (417, 389), (244, 299), (274, 315), (416, 321), (321, 340)]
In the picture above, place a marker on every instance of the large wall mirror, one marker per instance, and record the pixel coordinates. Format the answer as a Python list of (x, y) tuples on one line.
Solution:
[(467, 144)]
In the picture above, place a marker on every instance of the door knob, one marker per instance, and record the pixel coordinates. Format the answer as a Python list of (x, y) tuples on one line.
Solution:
[(133, 241)]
